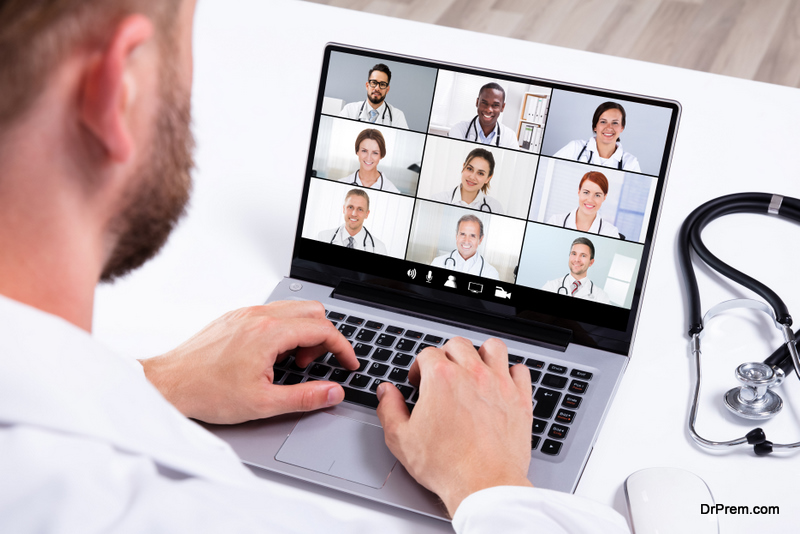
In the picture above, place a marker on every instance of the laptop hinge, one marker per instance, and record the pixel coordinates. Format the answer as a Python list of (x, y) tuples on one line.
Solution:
[(553, 337)]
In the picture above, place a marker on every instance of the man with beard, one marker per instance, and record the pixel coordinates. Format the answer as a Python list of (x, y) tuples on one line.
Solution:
[(375, 109), (95, 155)]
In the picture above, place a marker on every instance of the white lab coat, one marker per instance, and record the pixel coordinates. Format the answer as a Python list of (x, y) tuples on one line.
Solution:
[(453, 196), (89, 445), (363, 240), (590, 155), (462, 130), (386, 117), (588, 290), (383, 183), (476, 265), (599, 225)]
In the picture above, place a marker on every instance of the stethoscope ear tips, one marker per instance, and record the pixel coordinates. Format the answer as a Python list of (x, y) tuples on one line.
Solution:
[(763, 449), (756, 436)]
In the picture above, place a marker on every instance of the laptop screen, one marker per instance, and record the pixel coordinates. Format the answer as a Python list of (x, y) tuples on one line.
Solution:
[(522, 198)]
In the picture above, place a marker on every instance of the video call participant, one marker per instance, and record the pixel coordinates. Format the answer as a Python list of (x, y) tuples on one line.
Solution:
[(604, 148), (352, 233), (465, 257), (370, 149), (476, 174), (576, 283), (592, 191), (375, 109), (484, 127)]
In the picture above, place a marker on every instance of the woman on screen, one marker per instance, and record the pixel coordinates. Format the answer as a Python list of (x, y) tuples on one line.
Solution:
[(370, 149), (476, 174), (592, 192), (604, 148)]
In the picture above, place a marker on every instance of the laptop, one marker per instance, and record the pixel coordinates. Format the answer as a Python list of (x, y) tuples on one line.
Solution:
[(469, 204)]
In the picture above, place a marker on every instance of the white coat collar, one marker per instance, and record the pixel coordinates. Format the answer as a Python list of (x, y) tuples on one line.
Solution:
[(616, 156), (53, 375)]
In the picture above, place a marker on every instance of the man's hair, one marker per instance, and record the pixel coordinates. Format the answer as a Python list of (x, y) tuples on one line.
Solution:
[(469, 218), (37, 35), (375, 135), (494, 86), (358, 193), (584, 241), (486, 155), (382, 68)]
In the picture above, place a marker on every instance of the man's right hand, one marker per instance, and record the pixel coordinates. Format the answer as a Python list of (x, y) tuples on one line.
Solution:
[(470, 428)]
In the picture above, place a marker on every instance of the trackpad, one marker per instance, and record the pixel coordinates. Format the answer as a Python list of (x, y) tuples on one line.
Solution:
[(340, 447)]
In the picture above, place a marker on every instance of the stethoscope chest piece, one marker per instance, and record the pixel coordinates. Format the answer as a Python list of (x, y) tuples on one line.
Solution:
[(754, 398)]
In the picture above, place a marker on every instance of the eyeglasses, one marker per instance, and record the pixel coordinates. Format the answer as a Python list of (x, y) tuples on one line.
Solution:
[(376, 83)]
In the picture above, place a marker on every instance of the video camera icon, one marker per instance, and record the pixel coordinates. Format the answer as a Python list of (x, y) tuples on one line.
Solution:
[(499, 292)]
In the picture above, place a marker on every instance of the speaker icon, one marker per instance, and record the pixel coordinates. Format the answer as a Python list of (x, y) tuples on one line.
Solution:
[(412, 273)]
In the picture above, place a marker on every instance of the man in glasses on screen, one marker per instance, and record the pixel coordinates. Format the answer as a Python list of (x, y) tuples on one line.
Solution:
[(375, 109)]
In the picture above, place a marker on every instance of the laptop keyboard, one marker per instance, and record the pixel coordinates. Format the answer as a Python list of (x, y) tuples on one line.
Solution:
[(385, 353)]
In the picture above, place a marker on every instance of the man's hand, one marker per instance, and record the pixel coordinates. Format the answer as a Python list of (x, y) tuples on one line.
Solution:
[(224, 373), (471, 426)]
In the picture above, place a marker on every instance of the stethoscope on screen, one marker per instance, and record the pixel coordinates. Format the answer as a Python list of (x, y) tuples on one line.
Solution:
[(367, 235), (754, 399), (451, 258), (383, 117), (591, 155), (473, 126), (566, 218), (483, 205), (566, 291), (355, 180)]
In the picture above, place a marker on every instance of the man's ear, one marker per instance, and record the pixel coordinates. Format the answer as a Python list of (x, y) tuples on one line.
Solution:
[(109, 88)]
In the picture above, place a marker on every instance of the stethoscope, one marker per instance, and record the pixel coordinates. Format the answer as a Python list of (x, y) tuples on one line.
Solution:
[(566, 291), (591, 155), (383, 117), (473, 126), (451, 258), (754, 399), (355, 180), (367, 235), (484, 204), (599, 228)]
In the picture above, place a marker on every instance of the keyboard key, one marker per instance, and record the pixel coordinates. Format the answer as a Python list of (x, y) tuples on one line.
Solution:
[(394, 330), (375, 383), (536, 364), (333, 361), (347, 330), (558, 431), (407, 391), (294, 367), (319, 370), (565, 416), (365, 398), (414, 335), (385, 340), (422, 346), (340, 375), (374, 325), (515, 359), (292, 378), (538, 426), (406, 345), (546, 401), (377, 369), (553, 368), (549, 447), (381, 355), (535, 375), (362, 364), (322, 358), (534, 442), (583, 375), (571, 401), (402, 359), (436, 340), (365, 335), (279, 373), (361, 349), (336, 316), (578, 387), (553, 381), (358, 321), (360, 381), (398, 375)]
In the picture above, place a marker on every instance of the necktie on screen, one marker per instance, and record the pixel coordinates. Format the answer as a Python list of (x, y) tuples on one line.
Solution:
[(373, 115), (350, 242), (575, 284)]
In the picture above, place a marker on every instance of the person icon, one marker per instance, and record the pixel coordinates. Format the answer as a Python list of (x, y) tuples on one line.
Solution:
[(353, 234), (370, 150), (451, 282), (485, 128), (374, 108), (465, 257), (576, 283)]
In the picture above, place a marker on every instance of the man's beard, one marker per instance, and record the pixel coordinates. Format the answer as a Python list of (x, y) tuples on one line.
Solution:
[(158, 194), (374, 100)]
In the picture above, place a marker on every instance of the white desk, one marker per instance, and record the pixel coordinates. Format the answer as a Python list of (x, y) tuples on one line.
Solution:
[(256, 74)]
